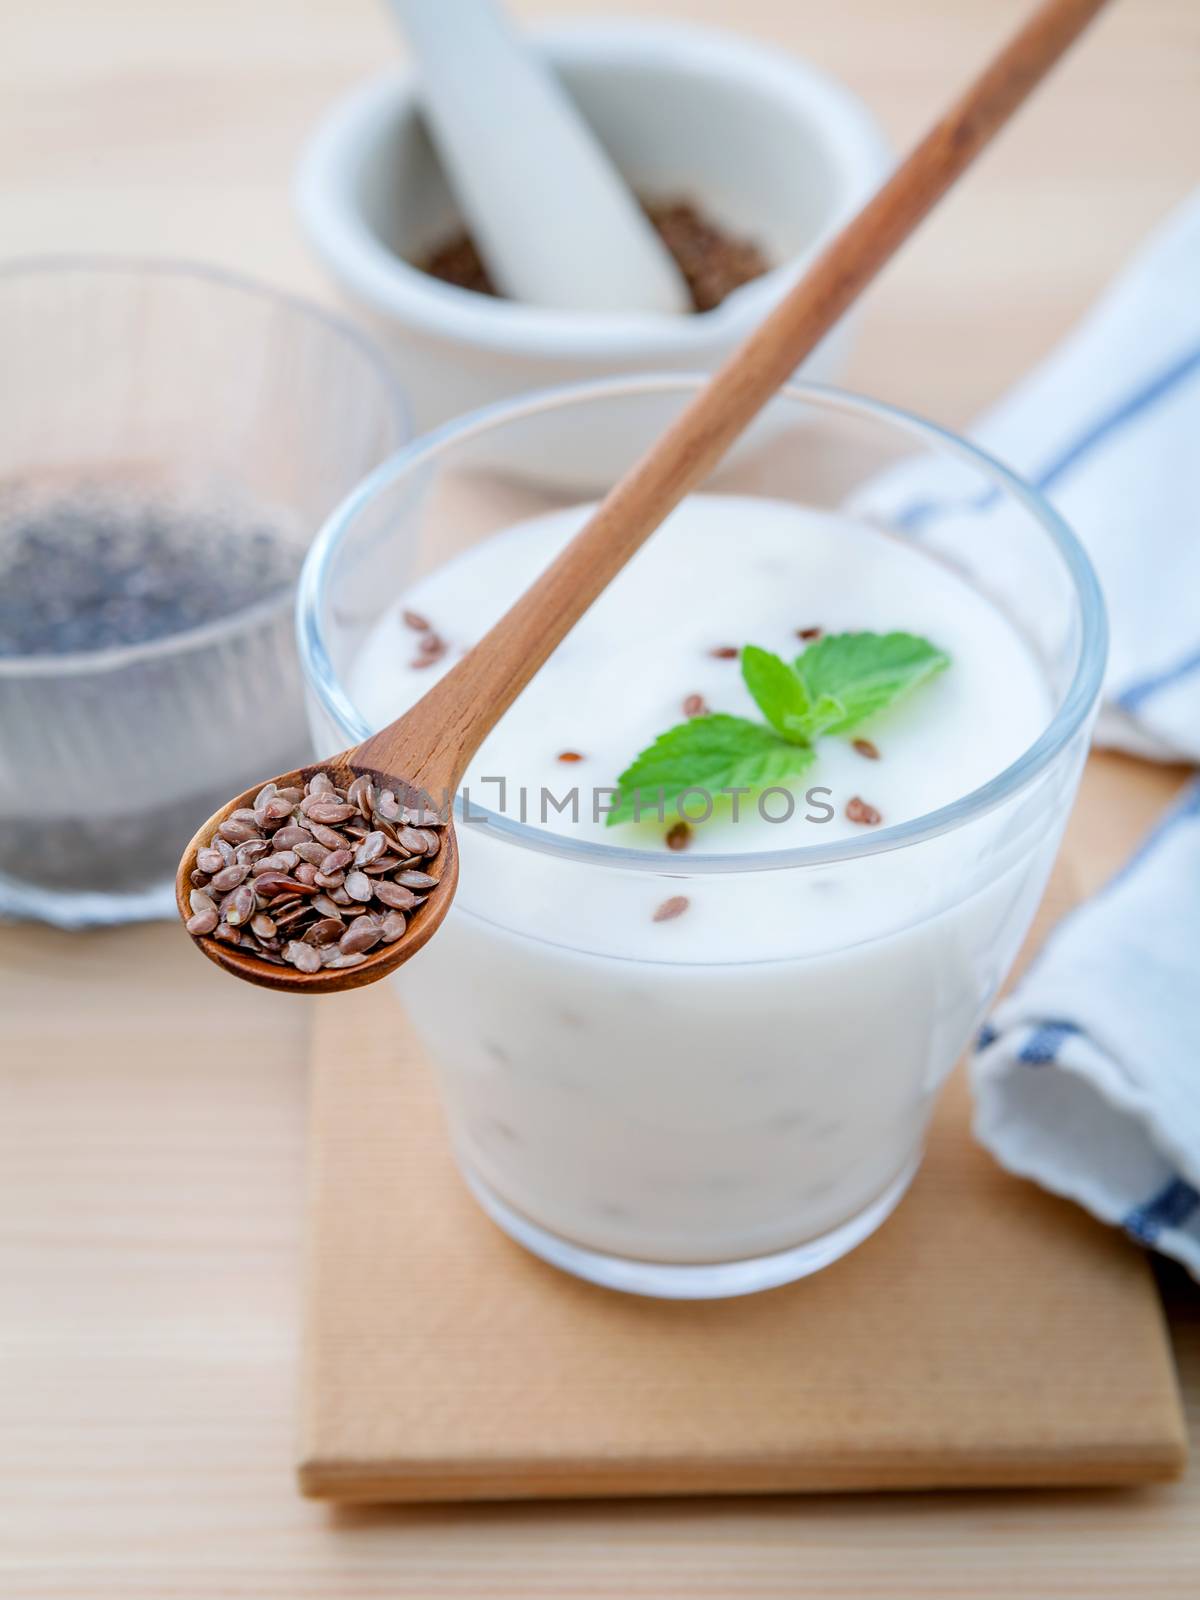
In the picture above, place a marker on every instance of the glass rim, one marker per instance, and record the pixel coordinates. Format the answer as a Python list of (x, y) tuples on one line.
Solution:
[(1077, 703), (113, 658)]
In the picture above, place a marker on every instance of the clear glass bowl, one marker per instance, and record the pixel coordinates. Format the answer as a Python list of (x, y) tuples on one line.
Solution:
[(729, 1121), (187, 396)]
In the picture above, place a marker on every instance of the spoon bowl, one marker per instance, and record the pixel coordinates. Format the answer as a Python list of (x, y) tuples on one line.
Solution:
[(422, 922)]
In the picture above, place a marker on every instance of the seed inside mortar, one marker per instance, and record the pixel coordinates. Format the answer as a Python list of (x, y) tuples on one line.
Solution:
[(315, 877), (713, 261)]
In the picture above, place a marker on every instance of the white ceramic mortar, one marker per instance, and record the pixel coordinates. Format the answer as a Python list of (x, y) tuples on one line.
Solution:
[(769, 146)]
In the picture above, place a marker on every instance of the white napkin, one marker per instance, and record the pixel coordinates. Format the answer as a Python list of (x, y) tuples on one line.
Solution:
[(1087, 1080)]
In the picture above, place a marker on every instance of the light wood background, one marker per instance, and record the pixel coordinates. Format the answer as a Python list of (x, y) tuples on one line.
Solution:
[(150, 1204)]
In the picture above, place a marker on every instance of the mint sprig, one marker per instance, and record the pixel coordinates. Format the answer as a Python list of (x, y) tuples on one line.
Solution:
[(831, 688)]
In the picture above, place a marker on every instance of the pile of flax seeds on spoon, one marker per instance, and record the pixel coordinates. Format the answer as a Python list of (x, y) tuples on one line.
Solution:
[(314, 877)]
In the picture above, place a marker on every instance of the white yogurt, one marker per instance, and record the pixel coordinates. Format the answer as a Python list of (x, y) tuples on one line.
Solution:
[(756, 1072)]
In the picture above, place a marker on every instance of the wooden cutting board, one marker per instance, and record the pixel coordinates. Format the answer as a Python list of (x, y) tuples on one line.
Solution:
[(988, 1334)]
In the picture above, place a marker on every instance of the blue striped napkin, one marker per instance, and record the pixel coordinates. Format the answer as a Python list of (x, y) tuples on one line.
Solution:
[(1087, 1078), (1109, 429)]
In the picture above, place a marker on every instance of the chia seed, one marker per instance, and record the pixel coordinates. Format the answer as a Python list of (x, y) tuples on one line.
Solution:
[(80, 576)]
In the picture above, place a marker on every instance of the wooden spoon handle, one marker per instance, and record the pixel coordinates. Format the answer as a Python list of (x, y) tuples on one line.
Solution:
[(458, 713)]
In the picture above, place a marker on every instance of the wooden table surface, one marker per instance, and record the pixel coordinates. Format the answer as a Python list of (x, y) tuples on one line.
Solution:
[(149, 1206)]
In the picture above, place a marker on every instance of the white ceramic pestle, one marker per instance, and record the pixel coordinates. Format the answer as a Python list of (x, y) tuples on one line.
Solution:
[(554, 221)]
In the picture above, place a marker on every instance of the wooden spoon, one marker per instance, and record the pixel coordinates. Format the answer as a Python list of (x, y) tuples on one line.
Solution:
[(423, 755)]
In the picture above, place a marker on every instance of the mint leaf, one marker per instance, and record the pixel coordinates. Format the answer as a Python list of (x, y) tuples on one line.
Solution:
[(848, 677), (708, 753), (781, 696)]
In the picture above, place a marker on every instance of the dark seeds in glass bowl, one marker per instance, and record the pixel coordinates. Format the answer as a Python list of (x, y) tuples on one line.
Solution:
[(88, 572), (78, 575)]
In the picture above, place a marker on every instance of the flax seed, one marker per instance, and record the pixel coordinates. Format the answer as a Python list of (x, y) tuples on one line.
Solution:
[(230, 877), (292, 837), (327, 812), (237, 832), (241, 906), (359, 886), (372, 847), (394, 895), (415, 880), (857, 810), (387, 806), (302, 956), (672, 908), (363, 936)]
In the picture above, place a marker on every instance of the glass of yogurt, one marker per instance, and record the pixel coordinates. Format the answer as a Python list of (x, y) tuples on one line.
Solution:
[(700, 1062)]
